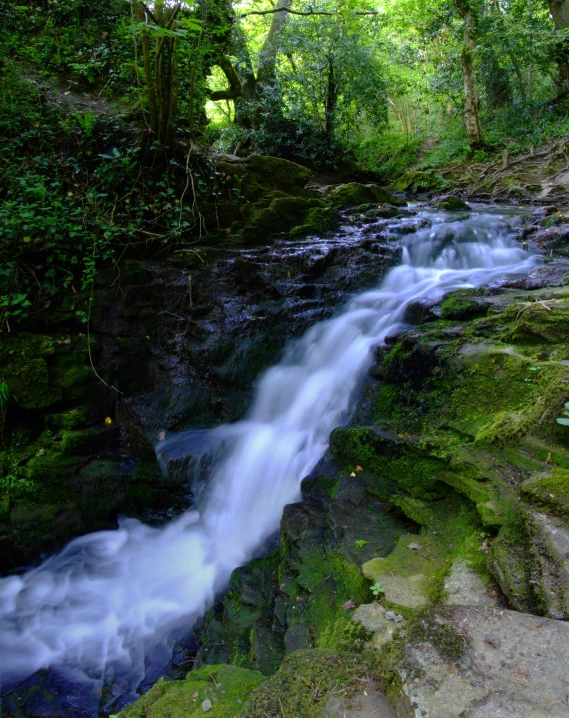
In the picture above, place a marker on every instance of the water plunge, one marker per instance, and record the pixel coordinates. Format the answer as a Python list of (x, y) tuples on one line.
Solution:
[(109, 603)]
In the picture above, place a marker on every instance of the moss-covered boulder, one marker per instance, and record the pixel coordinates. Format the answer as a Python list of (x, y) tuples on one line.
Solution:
[(464, 304), (280, 215), (218, 691), (450, 203), (354, 194), (319, 220), (257, 175)]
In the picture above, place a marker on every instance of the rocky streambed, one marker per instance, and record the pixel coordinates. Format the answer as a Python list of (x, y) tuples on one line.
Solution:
[(447, 491)]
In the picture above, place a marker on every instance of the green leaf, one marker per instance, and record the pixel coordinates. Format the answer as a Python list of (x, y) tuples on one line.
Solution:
[(565, 422)]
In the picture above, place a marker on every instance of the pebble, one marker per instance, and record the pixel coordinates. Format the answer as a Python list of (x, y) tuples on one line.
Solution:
[(206, 705)]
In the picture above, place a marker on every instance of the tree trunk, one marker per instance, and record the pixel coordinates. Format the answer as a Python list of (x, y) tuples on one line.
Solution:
[(472, 106), (559, 10), (247, 75), (266, 71), (331, 99)]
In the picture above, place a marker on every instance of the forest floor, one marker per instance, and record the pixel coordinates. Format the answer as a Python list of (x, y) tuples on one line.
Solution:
[(540, 175)]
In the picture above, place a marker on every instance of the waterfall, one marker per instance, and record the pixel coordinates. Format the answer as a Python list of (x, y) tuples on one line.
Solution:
[(108, 604)]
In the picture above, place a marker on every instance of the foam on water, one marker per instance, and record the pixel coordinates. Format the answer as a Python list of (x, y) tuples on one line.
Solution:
[(109, 603)]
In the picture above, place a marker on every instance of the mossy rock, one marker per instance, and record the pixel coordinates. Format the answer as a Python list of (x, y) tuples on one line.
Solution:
[(354, 194), (549, 490), (418, 181), (449, 203), (407, 574), (304, 684), (281, 215), (29, 382), (262, 173), (319, 220), (463, 305), (225, 687)]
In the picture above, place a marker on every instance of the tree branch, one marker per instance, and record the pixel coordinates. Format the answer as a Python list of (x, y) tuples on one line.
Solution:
[(306, 13), (235, 88)]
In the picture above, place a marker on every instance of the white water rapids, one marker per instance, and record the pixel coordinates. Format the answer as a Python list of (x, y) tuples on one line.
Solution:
[(109, 599)]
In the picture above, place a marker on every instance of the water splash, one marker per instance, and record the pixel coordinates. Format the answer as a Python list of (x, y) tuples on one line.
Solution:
[(108, 603)]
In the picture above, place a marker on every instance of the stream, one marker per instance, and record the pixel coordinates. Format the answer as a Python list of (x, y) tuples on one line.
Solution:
[(107, 609)]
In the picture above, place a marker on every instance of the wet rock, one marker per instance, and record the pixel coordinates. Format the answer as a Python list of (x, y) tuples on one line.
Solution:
[(554, 239), (484, 662)]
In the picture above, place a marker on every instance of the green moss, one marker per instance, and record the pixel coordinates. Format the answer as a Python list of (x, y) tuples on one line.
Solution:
[(322, 486), (80, 441), (549, 490), (509, 562), (319, 220), (462, 305), (227, 687), (433, 629), (354, 194), (537, 322), (305, 682), (282, 214), (451, 204), (262, 173), (407, 574), (28, 380)]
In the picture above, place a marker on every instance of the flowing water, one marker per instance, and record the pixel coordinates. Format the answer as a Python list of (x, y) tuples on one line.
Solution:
[(110, 602)]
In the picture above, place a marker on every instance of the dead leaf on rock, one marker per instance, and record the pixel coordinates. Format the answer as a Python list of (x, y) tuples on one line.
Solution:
[(349, 604), (352, 475), (358, 469), (415, 546), (548, 460)]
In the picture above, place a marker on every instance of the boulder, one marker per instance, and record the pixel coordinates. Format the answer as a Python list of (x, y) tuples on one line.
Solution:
[(483, 662), (281, 215), (354, 194), (450, 203)]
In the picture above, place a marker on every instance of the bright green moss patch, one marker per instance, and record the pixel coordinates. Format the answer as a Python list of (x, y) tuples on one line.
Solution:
[(305, 682), (463, 305), (227, 687)]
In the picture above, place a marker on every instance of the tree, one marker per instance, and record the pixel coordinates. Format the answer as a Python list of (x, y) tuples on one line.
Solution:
[(468, 13), (559, 10)]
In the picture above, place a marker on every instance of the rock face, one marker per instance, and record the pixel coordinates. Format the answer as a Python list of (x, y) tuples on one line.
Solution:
[(484, 662), (179, 341)]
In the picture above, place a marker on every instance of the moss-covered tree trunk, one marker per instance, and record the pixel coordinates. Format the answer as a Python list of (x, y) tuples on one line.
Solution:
[(559, 10), (467, 12)]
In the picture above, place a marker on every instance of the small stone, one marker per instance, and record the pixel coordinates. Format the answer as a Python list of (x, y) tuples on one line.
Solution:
[(415, 546), (349, 604), (206, 705)]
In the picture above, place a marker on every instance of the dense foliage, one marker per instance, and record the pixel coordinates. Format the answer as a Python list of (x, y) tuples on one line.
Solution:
[(107, 109)]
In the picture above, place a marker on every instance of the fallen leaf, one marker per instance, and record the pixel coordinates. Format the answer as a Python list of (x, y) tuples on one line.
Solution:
[(108, 421), (352, 474), (349, 604), (415, 546), (549, 459), (358, 468), (161, 436)]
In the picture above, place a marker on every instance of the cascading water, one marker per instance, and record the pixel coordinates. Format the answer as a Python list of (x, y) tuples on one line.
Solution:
[(108, 604)]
